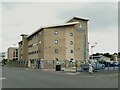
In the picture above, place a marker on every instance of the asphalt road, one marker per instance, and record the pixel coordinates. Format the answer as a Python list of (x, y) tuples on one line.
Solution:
[(17, 77)]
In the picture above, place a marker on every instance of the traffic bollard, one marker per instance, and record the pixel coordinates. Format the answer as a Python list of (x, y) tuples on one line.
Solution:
[(114, 66), (102, 66), (96, 66), (108, 66)]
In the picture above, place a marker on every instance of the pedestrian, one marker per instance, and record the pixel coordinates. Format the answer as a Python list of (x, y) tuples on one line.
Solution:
[(90, 67), (38, 63)]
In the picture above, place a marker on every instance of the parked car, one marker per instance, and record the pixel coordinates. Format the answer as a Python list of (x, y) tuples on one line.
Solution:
[(111, 63), (98, 67)]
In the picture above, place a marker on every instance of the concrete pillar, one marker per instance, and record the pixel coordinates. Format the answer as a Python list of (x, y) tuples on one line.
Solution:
[(42, 63), (29, 63)]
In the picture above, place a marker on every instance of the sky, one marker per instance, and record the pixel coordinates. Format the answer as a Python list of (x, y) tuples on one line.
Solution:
[(26, 17)]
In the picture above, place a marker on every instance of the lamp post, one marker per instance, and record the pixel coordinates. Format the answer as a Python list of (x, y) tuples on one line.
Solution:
[(92, 46)]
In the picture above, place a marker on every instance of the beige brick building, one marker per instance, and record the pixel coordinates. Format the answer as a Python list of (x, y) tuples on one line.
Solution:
[(65, 41), (12, 53)]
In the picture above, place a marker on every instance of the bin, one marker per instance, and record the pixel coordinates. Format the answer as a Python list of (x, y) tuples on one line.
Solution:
[(58, 67)]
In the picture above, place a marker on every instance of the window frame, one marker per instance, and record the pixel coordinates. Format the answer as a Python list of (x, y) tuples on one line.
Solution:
[(71, 33), (71, 42), (56, 32), (55, 41), (71, 51), (56, 51)]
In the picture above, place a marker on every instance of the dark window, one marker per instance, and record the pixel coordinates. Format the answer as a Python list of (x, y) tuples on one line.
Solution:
[(56, 50), (71, 42), (16, 55), (71, 51), (71, 34), (56, 33), (35, 52), (16, 50), (13, 54)]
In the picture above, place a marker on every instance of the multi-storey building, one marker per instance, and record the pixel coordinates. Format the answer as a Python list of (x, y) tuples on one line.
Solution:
[(12, 53), (65, 41)]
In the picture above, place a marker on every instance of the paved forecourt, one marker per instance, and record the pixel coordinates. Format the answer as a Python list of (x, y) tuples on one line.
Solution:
[(17, 77)]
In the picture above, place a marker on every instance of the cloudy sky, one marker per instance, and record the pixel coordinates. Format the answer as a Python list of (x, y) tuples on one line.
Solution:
[(26, 17)]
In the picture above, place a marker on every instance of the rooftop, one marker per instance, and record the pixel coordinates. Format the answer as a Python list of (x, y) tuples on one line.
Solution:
[(77, 17), (53, 26)]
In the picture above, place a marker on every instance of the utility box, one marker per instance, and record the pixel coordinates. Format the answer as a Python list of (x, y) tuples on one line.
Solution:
[(58, 67)]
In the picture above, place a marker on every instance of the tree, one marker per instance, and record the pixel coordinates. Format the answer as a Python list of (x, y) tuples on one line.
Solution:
[(107, 55), (97, 54)]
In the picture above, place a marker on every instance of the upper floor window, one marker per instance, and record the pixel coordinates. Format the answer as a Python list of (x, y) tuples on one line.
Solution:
[(71, 51), (56, 50), (56, 33), (56, 41), (71, 42), (71, 34), (16, 50)]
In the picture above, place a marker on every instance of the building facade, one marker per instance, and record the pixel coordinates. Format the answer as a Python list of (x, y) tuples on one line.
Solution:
[(12, 53), (68, 41)]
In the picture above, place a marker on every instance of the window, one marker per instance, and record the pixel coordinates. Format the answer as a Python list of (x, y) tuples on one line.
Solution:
[(35, 52), (16, 55), (56, 41), (71, 51), (13, 54), (56, 33), (71, 42), (16, 50), (56, 50), (71, 34)]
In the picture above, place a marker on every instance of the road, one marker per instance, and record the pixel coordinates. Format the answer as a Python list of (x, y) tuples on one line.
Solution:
[(17, 77)]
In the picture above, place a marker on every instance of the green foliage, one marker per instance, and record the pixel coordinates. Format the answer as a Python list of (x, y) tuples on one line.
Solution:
[(105, 54)]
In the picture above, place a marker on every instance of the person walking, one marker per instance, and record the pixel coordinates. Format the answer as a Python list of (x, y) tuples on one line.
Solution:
[(38, 64), (90, 67)]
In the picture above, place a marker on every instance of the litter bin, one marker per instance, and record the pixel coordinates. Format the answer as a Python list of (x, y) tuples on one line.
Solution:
[(58, 67)]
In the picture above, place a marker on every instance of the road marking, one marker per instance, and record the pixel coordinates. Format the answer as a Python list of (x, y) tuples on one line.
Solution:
[(2, 78), (26, 69), (72, 73)]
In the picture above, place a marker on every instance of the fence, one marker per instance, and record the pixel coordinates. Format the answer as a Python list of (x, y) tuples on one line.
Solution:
[(45, 64), (50, 64)]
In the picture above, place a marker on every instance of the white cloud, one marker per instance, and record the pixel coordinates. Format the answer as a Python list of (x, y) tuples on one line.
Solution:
[(107, 41), (0, 26)]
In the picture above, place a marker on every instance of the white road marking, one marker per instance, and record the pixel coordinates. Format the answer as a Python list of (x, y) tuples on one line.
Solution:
[(26, 69), (2, 78)]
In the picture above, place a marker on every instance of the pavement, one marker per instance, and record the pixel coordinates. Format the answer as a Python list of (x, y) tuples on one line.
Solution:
[(18, 77)]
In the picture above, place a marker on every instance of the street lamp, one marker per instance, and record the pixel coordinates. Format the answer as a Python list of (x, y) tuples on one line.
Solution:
[(92, 46)]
